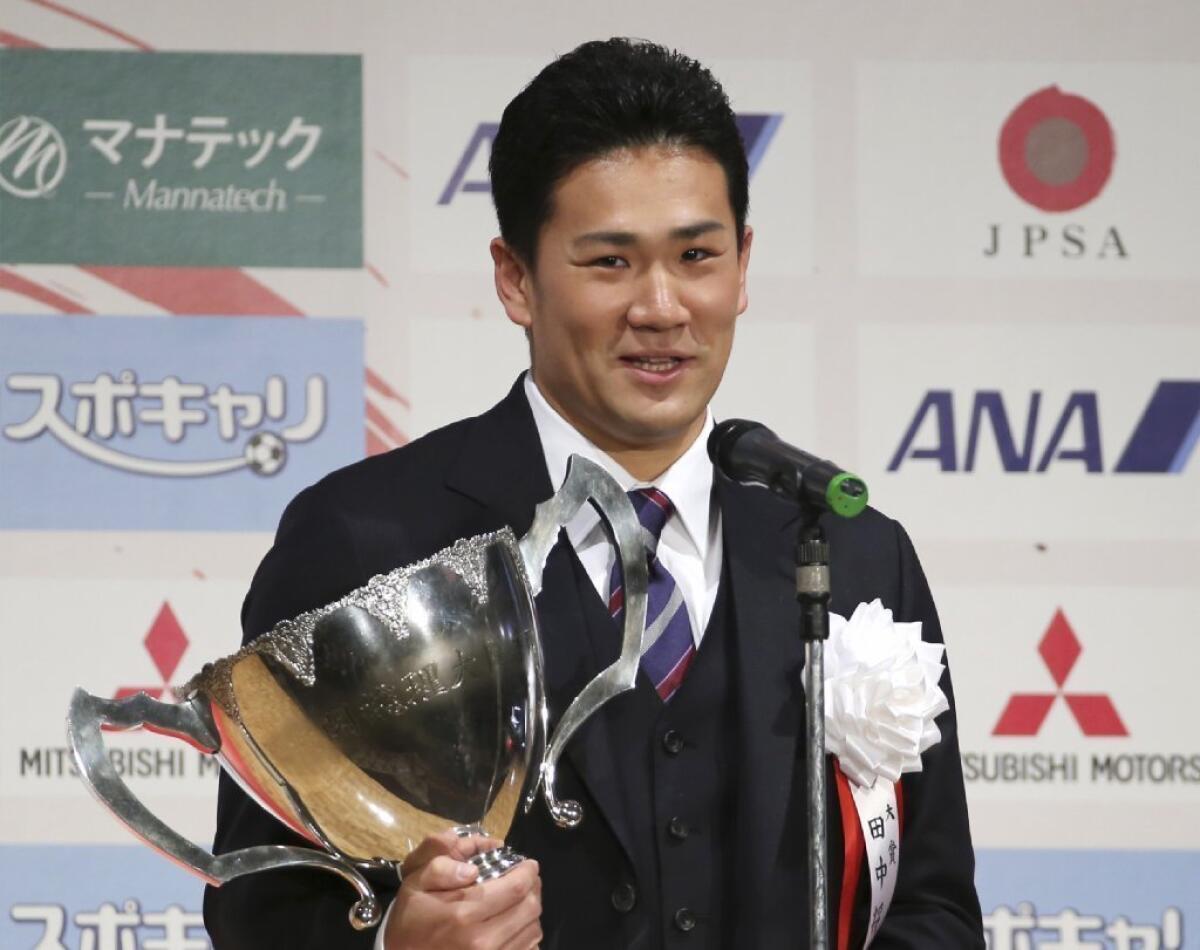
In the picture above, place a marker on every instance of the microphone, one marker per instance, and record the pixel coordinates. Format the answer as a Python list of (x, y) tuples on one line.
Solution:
[(751, 454)]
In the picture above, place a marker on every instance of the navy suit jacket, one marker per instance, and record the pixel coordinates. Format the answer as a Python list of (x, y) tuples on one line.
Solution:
[(483, 473)]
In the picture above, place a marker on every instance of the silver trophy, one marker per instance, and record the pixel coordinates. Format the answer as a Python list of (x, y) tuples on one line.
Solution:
[(414, 704)]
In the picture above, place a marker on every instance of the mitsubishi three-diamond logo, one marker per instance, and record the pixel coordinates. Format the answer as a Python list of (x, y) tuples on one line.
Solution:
[(166, 643), (1026, 712)]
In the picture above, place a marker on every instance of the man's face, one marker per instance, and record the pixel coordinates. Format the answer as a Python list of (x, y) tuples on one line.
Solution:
[(632, 305)]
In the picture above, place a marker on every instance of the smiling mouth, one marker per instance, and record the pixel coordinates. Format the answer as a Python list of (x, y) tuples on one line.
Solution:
[(654, 364)]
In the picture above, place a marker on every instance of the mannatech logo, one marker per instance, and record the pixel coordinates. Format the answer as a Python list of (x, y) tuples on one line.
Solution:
[(196, 159), (33, 157), (1026, 712)]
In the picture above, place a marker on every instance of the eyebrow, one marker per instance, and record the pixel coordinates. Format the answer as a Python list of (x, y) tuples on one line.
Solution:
[(685, 232)]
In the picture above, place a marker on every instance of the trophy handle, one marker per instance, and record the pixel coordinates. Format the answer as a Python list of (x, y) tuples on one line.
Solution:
[(191, 722), (587, 481)]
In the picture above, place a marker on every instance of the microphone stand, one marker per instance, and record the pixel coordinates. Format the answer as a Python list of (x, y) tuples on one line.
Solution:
[(751, 454), (813, 591)]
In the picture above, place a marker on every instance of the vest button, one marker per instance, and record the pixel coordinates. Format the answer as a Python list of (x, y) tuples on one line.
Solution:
[(685, 920), (678, 829), (624, 897), (673, 742)]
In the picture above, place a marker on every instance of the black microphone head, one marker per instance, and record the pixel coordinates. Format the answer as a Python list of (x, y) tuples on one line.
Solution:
[(723, 437)]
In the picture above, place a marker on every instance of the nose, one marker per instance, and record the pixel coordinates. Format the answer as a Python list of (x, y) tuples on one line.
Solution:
[(656, 304)]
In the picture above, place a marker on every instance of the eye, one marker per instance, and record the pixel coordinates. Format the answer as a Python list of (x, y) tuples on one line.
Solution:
[(696, 254), (609, 261)]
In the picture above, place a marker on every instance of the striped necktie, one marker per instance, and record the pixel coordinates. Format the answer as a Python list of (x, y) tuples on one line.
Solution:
[(667, 647)]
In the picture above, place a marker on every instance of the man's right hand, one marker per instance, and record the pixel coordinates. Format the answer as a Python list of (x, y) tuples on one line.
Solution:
[(439, 906)]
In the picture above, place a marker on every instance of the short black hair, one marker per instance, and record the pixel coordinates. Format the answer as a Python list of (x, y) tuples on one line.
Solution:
[(604, 96)]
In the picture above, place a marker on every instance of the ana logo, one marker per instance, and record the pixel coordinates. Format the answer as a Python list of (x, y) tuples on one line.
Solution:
[(1161, 442), (1026, 712), (33, 157), (1056, 152), (756, 128), (166, 643)]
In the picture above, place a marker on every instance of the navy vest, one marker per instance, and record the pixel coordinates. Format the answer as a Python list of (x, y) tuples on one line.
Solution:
[(678, 768)]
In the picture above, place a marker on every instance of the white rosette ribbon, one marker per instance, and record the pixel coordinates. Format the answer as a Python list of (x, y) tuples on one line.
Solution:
[(881, 694), (881, 699)]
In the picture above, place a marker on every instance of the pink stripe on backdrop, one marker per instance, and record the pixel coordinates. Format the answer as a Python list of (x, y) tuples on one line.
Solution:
[(194, 291), (27, 288), (91, 21), (384, 424), (391, 164), (375, 444), (11, 39), (380, 385)]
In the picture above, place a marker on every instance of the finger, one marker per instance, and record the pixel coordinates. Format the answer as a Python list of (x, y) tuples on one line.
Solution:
[(442, 843), (528, 938), (502, 894), (508, 927), (443, 873), (468, 846)]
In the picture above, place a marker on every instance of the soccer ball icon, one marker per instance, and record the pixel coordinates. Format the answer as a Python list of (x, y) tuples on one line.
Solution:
[(266, 453)]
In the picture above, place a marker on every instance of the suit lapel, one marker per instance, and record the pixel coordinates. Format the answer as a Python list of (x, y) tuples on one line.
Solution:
[(759, 531), (580, 642), (502, 466)]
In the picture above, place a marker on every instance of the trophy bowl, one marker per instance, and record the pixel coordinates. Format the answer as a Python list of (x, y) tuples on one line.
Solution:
[(413, 704)]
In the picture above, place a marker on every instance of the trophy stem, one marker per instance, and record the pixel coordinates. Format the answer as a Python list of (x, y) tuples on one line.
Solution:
[(496, 863)]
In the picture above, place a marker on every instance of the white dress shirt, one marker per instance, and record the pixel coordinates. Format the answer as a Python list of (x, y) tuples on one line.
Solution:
[(690, 546)]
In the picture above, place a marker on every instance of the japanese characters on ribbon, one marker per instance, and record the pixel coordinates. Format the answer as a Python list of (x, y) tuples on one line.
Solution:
[(878, 813)]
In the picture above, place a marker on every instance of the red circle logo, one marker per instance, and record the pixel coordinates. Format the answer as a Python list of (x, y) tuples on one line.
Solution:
[(1056, 150)]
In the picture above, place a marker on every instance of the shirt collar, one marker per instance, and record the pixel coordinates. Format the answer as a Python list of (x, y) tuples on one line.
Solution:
[(688, 482)]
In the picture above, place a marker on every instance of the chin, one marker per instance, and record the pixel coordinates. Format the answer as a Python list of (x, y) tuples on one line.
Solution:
[(649, 425)]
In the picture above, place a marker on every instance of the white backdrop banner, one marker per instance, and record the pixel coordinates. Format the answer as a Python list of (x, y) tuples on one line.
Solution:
[(973, 281)]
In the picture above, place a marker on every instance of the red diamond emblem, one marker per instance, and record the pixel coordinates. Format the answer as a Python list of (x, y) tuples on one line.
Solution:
[(1024, 713), (1096, 714), (166, 643), (1060, 648)]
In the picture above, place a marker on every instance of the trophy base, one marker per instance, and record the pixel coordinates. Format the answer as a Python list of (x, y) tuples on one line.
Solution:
[(496, 863)]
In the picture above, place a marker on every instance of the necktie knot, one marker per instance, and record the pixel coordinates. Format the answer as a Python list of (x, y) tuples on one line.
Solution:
[(653, 509)]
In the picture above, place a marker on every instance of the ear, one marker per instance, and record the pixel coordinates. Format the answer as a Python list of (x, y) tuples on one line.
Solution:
[(514, 283), (743, 263)]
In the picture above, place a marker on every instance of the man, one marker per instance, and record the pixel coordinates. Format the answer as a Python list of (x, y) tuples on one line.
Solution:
[(620, 187)]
